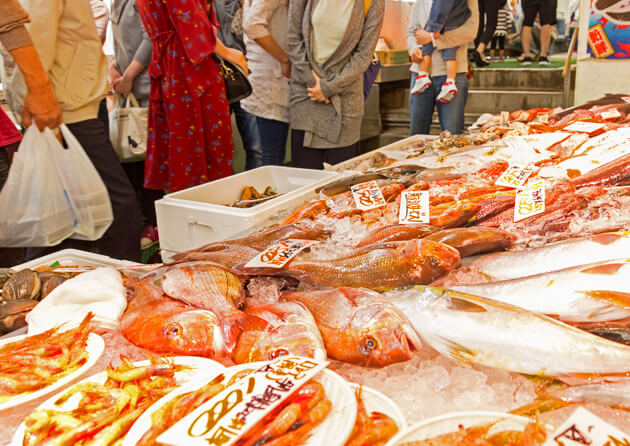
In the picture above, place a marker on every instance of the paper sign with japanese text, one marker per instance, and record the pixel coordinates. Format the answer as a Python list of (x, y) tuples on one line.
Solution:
[(584, 127), (530, 200), (543, 118), (505, 117), (278, 255), (514, 176), (368, 196), (613, 113), (226, 417), (414, 207), (583, 428)]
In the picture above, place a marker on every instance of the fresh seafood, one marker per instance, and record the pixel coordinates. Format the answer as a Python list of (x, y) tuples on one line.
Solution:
[(38, 361), (380, 266), (104, 413), (291, 331), (396, 233), (13, 314), (617, 331), (5, 273), (24, 284), (373, 429), (472, 241), (609, 174), (344, 184), (615, 394), (50, 281), (359, 326), (309, 210), (251, 197), (163, 325), (594, 292), (553, 257), (228, 258), (506, 337), (177, 408)]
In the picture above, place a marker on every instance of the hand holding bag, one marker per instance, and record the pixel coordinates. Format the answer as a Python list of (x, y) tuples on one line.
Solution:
[(128, 128), (237, 85)]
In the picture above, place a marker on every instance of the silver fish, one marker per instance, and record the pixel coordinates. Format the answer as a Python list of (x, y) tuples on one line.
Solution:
[(473, 329), (616, 394)]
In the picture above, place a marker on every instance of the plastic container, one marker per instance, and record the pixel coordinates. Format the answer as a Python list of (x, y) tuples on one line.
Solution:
[(74, 257), (193, 217)]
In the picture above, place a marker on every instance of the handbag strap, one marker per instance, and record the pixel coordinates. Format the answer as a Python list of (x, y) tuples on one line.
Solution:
[(131, 98)]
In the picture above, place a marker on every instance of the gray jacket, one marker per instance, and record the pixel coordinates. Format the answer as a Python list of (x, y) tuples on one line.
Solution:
[(226, 10), (337, 124), (131, 42)]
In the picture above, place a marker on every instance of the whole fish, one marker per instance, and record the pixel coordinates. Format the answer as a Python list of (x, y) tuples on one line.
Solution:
[(227, 258), (553, 257), (615, 394), (291, 331), (380, 266), (474, 329), (13, 314), (472, 241), (594, 292), (207, 286), (616, 331), (163, 325), (608, 174), (397, 233), (359, 326), (261, 240)]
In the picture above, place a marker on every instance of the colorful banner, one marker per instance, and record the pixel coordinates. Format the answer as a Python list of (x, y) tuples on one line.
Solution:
[(609, 29)]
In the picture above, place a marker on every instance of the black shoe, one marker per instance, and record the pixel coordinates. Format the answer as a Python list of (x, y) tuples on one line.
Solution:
[(526, 61), (542, 60), (479, 60)]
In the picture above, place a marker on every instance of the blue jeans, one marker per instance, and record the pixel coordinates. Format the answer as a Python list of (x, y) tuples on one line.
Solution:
[(447, 53), (273, 136), (246, 123), (451, 115)]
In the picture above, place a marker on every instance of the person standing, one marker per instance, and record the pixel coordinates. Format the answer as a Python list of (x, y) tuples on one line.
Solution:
[(265, 26), (66, 39), (546, 11), (190, 131), (488, 15), (230, 16), (330, 44), (421, 106)]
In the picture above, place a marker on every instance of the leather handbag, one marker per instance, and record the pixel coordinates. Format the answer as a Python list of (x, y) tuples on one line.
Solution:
[(237, 85)]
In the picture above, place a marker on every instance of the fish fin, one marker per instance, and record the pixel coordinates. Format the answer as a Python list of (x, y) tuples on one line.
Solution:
[(538, 406), (605, 312), (458, 352), (606, 269), (618, 298), (607, 239), (459, 304)]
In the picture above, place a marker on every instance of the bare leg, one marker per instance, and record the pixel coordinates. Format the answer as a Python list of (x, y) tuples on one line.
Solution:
[(545, 40), (451, 69), (425, 65), (526, 37)]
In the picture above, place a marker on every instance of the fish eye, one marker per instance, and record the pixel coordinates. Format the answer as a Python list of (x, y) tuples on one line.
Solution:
[(172, 329), (433, 261), (279, 352), (369, 344)]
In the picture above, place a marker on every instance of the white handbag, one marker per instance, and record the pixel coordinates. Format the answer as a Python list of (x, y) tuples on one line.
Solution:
[(128, 127)]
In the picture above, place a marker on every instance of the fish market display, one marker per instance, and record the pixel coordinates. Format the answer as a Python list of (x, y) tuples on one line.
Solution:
[(39, 361), (373, 428), (251, 197)]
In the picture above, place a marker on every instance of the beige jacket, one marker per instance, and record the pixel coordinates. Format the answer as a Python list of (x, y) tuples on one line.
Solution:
[(68, 44)]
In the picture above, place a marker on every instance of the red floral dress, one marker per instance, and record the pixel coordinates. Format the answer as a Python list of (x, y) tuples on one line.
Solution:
[(190, 133)]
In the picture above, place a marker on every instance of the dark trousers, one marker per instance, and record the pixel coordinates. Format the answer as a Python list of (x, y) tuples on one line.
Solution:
[(146, 197), (309, 158), (273, 137), (122, 239), (488, 15), (248, 129), (498, 42)]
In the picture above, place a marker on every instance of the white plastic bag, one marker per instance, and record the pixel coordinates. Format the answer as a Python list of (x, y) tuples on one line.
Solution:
[(89, 199), (34, 210), (128, 128)]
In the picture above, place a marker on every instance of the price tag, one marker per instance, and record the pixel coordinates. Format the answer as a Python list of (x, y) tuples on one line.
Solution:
[(278, 255), (613, 113), (544, 118), (530, 200), (505, 118), (414, 207), (239, 407), (368, 196), (584, 127), (583, 428), (514, 176), (626, 98)]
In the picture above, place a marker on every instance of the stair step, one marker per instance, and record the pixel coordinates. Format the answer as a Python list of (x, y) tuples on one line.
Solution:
[(494, 101), (516, 78)]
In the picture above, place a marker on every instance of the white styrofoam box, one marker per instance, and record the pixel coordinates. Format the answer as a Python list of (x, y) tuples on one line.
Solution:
[(74, 257), (193, 217)]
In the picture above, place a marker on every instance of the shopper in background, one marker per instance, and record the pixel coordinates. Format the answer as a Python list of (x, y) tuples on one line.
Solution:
[(488, 15), (546, 10), (421, 106), (230, 16), (128, 74), (190, 131), (265, 26), (330, 45), (504, 24), (66, 39)]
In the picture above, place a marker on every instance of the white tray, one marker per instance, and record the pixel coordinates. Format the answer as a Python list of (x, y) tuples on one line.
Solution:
[(70, 257)]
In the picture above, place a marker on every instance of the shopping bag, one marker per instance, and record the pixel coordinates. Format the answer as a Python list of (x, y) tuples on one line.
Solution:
[(128, 127), (87, 194), (34, 209)]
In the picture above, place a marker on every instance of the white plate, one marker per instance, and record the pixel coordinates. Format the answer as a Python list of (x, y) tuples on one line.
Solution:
[(377, 402), (200, 369), (94, 347), (450, 422), (143, 424)]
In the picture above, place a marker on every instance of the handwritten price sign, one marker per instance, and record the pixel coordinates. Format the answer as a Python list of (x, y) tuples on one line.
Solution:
[(368, 196), (514, 176), (585, 429), (414, 207), (278, 255), (530, 200), (610, 114), (225, 418)]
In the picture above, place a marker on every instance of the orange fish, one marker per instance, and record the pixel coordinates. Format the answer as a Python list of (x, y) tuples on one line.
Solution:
[(396, 233), (475, 240), (228, 258)]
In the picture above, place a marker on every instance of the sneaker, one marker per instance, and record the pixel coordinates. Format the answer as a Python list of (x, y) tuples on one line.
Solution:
[(423, 81), (501, 59), (448, 92), (149, 237), (526, 61), (543, 60)]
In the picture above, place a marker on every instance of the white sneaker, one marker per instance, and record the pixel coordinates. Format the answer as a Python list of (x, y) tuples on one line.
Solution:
[(423, 81), (448, 92)]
